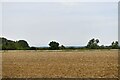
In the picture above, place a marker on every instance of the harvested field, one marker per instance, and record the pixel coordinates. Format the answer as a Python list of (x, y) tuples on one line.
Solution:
[(57, 64)]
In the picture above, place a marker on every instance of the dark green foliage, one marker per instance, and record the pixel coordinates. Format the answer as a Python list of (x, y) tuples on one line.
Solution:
[(13, 45), (71, 48), (33, 48), (0, 44), (115, 45), (6, 44), (62, 47), (102, 47), (22, 44), (93, 44), (43, 48), (54, 45)]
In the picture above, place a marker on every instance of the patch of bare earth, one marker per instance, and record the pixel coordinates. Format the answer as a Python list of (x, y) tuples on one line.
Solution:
[(57, 64)]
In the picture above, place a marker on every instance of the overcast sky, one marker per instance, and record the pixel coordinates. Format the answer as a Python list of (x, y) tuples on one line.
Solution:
[(69, 23)]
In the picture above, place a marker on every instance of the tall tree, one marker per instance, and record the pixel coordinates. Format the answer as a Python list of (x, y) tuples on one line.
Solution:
[(22, 44), (54, 45), (93, 44), (115, 45)]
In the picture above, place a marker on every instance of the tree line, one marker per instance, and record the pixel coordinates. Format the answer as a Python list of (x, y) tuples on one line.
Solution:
[(13, 45), (6, 44)]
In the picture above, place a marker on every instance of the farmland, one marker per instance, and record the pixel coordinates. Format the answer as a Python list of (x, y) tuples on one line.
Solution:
[(60, 64)]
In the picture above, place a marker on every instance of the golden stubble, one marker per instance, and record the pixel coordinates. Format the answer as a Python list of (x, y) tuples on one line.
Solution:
[(60, 64)]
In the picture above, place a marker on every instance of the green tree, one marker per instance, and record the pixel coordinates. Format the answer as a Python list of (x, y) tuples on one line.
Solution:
[(102, 47), (33, 48), (97, 41), (22, 44), (54, 45), (62, 47), (115, 45), (7, 44), (93, 44), (13, 45), (0, 43)]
